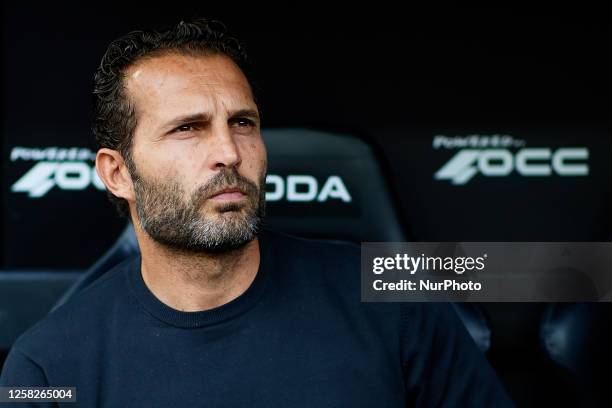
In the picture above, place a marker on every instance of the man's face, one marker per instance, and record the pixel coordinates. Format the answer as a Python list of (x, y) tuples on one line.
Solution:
[(199, 159)]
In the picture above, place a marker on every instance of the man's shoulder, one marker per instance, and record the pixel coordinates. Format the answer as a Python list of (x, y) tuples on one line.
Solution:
[(66, 326), (305, 261)]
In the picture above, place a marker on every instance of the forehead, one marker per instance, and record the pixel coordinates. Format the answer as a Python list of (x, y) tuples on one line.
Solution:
[(173, 82)]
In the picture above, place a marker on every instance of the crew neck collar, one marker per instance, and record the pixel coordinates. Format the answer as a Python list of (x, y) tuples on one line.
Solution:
[(209, 317)]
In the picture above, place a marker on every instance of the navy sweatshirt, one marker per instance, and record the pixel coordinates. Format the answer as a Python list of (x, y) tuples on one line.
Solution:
[(297, 337)]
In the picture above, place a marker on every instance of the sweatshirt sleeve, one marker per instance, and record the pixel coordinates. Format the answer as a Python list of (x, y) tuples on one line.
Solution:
[(21, 371), (442, 365)]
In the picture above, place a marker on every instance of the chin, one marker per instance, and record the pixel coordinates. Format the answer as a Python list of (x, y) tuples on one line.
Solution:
[(229, 208)]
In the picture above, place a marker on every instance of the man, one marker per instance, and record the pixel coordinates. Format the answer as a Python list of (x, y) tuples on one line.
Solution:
[(215, 312)]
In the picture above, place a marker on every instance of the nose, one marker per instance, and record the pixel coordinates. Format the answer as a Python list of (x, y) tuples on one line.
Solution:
[(225, 152)]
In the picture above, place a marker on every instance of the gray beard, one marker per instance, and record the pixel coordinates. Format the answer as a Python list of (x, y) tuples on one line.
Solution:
[(177, 224)]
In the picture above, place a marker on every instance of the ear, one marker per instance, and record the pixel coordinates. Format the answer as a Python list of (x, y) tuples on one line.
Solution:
[(114, 173)]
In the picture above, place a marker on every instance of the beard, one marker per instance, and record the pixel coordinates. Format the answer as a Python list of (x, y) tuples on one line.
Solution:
[(178, 224)]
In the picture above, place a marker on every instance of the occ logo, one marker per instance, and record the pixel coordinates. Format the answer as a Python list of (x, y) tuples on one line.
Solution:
[(493, 161), (66, 176), (66, 168)]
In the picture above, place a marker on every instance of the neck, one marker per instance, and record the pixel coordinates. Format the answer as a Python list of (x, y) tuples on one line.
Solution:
[(190, 281)]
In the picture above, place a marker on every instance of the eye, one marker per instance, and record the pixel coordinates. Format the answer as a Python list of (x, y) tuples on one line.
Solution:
[(243, 122), (185, 128)]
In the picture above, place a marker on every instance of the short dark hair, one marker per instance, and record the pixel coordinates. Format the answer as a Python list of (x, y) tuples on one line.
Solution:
[(114, 119)]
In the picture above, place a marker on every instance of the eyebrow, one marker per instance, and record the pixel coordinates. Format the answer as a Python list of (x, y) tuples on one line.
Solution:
[(181, 120), (245, 113), (207, 117)]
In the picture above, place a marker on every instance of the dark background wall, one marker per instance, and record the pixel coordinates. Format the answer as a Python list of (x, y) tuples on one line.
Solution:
[(396, 77)]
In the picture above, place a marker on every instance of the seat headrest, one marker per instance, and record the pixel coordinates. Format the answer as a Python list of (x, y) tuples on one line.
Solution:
[(328, 185)]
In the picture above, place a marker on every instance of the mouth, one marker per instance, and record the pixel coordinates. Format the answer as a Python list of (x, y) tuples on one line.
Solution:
[(228, 194)]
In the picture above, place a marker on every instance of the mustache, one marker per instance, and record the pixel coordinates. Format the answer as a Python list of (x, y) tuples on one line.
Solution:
[(226, 178)]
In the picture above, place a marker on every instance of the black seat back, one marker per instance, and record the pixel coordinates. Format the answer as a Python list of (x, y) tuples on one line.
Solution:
[(576, 337)]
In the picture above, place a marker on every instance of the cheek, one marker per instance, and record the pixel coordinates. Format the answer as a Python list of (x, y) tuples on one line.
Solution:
[(157, 166), (167, 166), (254, 157), (186, 159), (180, 158)]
